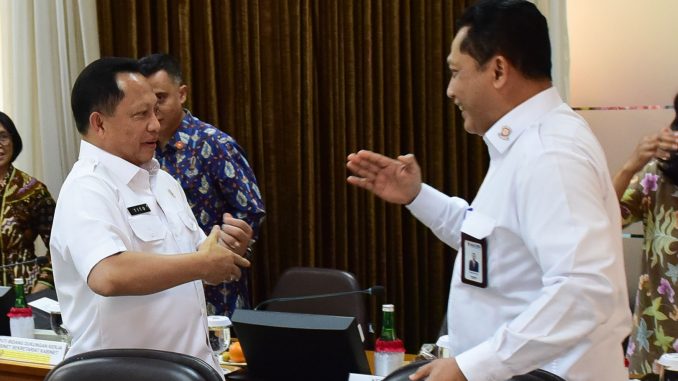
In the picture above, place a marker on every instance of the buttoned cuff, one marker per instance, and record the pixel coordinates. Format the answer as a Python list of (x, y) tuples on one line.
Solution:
[(481, 363)]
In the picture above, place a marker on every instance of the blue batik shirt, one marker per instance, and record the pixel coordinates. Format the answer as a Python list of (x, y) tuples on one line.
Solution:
[(214, 173)]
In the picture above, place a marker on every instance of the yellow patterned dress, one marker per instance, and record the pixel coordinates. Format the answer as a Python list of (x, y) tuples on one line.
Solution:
[(653, 199), (26, 212)]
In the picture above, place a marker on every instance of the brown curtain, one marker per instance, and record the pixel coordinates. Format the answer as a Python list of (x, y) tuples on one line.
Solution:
[(302, 83)]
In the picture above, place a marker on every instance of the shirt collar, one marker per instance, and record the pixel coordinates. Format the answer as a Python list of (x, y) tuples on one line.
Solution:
[(175, 143), (509, 127), (120, 168)]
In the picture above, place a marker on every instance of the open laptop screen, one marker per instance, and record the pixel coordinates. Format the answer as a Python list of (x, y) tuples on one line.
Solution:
[(282, 345)]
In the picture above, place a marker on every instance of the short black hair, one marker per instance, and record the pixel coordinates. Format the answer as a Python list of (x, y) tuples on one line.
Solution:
[(514, 29), (17, 144), (96, 88), (153, 63)]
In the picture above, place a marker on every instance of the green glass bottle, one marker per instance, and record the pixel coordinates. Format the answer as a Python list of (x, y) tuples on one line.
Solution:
[(389, 351), (20, 294), (388, 323)]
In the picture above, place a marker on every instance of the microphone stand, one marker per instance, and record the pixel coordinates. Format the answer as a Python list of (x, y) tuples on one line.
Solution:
[(374, 290)]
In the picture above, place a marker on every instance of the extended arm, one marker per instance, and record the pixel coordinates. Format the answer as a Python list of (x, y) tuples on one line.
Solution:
[(141, 273)]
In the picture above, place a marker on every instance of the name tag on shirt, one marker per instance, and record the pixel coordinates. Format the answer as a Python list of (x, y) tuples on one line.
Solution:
[(473, 261), (138, 209)]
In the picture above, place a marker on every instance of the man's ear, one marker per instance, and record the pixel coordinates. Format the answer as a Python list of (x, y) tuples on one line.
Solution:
[(183, 93), (96, 123), (500, 71)]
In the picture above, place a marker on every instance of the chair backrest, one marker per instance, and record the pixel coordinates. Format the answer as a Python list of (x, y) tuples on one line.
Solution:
[(537, 375), (304, 281), (133, 365)]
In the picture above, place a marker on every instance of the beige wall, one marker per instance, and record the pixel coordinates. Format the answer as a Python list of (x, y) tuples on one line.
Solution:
[(623, 52)]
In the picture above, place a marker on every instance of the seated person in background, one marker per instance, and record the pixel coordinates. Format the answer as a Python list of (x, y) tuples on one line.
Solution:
[(647, 187), (129, 258), (213, 171), (26, 211)]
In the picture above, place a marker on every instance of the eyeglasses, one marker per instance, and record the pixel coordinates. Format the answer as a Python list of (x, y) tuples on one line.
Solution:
[(5, 138)]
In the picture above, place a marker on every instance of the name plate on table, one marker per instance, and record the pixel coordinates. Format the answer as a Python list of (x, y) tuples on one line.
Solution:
[(32, 350)]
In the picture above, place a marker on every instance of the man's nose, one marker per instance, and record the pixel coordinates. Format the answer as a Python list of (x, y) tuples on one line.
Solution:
[(450, 90), (155, 123)]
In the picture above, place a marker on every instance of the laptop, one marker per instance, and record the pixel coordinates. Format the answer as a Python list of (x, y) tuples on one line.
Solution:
[(293, 346)]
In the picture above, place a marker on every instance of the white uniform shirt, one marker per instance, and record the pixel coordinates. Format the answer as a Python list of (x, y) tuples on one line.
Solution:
[(92, 222), (556, 295)]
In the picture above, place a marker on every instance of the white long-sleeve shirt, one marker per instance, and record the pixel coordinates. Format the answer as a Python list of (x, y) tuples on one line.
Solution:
[(106, 206), (556, 294)]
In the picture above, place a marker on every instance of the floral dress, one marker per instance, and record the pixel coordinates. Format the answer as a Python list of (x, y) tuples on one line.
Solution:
[(653, 199), (26, 212)]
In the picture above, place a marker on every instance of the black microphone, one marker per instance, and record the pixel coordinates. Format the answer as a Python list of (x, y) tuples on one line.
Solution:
[(40, 261), (374, 290)]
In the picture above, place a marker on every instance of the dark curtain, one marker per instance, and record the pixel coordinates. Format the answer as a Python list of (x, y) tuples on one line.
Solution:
[(302, 83)]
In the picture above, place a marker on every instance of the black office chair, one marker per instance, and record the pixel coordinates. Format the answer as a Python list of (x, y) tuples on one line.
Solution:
[(403, 373), (133, 365), (302, 281), (537, 375)]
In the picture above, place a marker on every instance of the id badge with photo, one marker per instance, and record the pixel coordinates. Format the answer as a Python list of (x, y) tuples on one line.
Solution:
[(473, 261)]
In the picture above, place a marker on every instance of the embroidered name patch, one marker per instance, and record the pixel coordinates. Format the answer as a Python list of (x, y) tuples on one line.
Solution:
[(138, 209)]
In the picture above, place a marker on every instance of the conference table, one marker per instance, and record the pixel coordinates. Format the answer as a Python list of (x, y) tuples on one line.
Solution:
[(22, 371), (26, 371)]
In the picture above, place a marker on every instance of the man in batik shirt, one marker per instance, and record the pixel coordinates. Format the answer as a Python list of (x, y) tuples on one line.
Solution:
[(213, 171)]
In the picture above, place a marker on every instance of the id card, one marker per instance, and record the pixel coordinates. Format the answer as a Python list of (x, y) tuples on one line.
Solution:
[(473, 261)]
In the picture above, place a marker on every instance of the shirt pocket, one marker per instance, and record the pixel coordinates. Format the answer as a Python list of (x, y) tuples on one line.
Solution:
[(478, 225), (188, 220), (148, 228)]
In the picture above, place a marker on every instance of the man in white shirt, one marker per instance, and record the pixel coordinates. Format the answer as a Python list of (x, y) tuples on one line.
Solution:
[(550, 292), (129, 258)]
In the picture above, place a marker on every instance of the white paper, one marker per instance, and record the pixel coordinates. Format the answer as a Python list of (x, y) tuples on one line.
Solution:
[(363, 377), (3, 290), (45, 304)]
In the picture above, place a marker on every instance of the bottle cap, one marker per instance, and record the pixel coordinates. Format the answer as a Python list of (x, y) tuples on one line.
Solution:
[(387, 308), (218, 321), (18, 280)]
